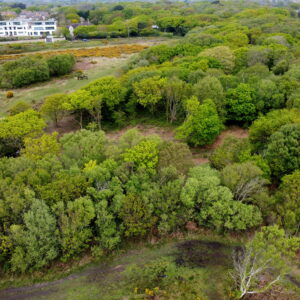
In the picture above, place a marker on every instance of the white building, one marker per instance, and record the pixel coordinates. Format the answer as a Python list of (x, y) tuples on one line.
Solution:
[(26, 27)]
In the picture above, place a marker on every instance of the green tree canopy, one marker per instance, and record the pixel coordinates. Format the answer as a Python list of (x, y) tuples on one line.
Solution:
[(53, 107), (262, 128), (202, 124), (149, 91), (283, 151), (240, 103), (36, 244)]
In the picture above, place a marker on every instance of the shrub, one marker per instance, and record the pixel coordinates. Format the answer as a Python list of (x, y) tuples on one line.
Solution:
[(202, 124), (18, 108), (158, 273), (24, 71), (9, 94), (61, 64)]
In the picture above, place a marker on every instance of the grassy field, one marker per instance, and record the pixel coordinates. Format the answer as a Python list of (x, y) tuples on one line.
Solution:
[(18, 48), (205, 268), (36, 93)]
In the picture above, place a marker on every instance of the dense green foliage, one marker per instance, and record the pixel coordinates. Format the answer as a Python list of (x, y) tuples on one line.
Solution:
[(95, 192), (31, 69), (91, 192)]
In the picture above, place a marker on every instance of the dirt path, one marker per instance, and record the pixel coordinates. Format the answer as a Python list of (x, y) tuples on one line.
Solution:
[(91, 275), (191, 253), (43, 289)]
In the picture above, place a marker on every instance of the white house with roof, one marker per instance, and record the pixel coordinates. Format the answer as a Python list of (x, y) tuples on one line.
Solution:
[(26, 27)]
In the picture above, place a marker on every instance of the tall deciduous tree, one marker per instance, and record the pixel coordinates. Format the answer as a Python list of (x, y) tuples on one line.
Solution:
[(37, 148), (214, 205), (149, 91), (79, 102), (222, 54), (263, 127), (283, 152), (244, 180), (144, 155), (240, 103), (74, 224), (82, 146), (202, 124), (210, 88), (107, 92), (108, 235), (288, 204), (53, 107), (13, 129), (36, 244), (175, 92), (270, 253)]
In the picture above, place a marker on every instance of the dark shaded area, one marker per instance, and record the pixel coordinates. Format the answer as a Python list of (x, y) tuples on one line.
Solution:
[(196, 253), (293, 280)]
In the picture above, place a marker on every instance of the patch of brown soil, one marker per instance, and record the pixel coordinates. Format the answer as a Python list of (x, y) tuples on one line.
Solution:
[(195, 253), (199, 160), (231, 131), (275, 293), (201, 154), (66, 125)]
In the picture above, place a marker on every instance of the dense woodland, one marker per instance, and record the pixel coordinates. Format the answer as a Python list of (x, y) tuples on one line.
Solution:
[(64, 195)]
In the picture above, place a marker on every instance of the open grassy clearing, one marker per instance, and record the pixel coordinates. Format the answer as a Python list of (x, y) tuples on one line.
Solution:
[(94, 67), (204, 260), (203, 255), (29, 47), (34, 94)]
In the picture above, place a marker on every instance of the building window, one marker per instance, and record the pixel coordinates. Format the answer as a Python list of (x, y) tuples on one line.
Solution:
[(2, 23), (49, 23), (49, 28), (35, 33)]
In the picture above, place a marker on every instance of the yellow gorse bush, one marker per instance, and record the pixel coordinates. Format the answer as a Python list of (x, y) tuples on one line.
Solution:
[(113, 51)]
